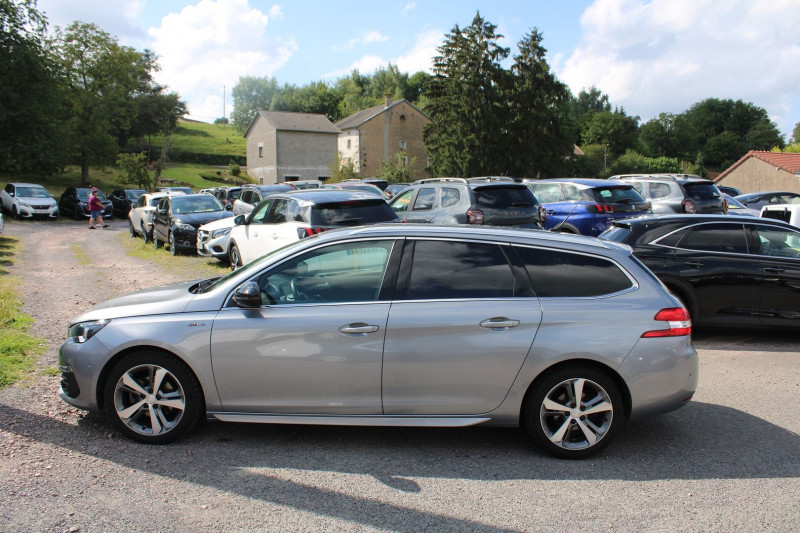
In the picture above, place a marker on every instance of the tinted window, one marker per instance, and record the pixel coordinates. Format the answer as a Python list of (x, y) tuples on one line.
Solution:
[(134, 194), (352, 213), (613, 195), (195, 204), (673, 239), (701, 191), (348, 272), (659, 190), (503, 197), (728, 238), (548, 192), (426, 198), (450, 196), (778, 242), (557, 274), (443, 269), (278, 213)]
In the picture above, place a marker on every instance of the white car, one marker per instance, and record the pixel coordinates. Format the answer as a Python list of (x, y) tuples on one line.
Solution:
[(213, 238), (252, 195), (2, 223), (789, 213), (283, 218), (28, 200), (140, 217)]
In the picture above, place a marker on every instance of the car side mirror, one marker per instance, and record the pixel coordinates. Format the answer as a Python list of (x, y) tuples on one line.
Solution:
[(248, 295), (239, 220)]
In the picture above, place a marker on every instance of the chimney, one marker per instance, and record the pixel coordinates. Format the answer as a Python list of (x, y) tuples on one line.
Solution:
[(388, 99)]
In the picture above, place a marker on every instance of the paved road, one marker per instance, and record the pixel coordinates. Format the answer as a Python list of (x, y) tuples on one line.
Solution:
[(726, 462)]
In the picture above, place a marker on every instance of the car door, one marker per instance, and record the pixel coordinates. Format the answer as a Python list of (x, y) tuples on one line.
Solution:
[(316, 344), (715, 261), (161, 219), (779, 252), (458, 332), (401, 204), (423, 208)]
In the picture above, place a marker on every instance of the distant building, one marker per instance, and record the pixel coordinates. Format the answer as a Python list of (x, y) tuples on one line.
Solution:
[(373, 135), (763, 171), (284, 146)]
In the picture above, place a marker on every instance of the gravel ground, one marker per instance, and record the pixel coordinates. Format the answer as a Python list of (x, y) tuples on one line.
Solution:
[(726, 462)]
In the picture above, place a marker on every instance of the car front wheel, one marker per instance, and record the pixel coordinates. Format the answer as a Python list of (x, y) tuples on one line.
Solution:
[(131, 229), (234, 257), (152, 397), (156, 242), (173, 248), (145, 235), (573, 412)]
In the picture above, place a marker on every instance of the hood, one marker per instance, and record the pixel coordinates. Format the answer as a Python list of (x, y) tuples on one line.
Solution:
[(156, 301), (198, 219), (219, 224), (38, 200)]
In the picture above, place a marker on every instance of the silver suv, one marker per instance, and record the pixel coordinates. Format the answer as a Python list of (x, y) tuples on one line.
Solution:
[(677, 193), (395, 325)]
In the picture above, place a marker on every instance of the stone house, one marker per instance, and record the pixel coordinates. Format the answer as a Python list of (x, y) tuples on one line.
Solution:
[(373, 135), (763, 171), (284, 146)]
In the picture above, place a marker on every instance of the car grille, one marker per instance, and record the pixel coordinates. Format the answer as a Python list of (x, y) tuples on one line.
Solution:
[(41, 206)]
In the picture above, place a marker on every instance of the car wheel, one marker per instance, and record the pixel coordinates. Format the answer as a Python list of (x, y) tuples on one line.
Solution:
[(145, 235), (152, 397), (76, 213), (131, 228), (15, 214), (171, 240), (156, 242), (234, 257), (573, 412)]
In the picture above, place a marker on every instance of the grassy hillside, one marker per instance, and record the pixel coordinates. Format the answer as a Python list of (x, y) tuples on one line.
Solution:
[(199, 137)]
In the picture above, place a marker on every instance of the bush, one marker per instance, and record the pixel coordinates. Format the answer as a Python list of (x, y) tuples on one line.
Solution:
[(235, 169)]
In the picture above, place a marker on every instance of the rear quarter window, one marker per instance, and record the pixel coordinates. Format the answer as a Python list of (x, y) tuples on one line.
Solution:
[(559, 274)]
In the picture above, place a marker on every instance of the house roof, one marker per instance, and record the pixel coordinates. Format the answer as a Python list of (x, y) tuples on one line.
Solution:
[(357, 119), (787, 162), (289, 121)]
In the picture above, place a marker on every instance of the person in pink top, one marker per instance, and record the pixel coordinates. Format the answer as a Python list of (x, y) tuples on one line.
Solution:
[(95, 211)]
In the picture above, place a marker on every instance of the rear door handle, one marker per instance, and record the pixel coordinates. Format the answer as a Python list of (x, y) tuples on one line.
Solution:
[(358, 329), (498, 323), (772, 270)]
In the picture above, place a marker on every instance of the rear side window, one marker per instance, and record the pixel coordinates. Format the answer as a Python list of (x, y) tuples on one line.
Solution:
[(659, 190), (701, 191), (557, 274), (450, 196), (445, 270), (548, 192), (729, 238), (503, 197), (353, 213)]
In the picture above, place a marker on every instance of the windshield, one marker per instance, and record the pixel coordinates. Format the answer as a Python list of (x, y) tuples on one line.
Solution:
[(32, 192), (701, 191), (83, 194), (134, 194), (203, 203)]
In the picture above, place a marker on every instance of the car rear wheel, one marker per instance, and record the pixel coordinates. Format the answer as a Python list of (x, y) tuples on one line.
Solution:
[(235, 257), (152, 397), (76, 213), (145, 235), (156, 242), (131, 228), (573, 412)]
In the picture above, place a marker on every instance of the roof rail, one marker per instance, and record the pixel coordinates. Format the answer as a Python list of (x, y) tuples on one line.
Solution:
[(440, 180), (479, 179)]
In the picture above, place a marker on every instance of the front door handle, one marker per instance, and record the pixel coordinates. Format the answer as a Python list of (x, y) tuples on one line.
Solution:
[(693, 264), (499, 323), (772, 270), (358, 329)]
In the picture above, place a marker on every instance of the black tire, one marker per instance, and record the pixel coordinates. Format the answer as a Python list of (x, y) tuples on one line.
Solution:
[(152, 416), (156, 242), (173, 248), (131, 228), (234, 257), (562, 432), (76, 213), (145, 235), (15, 214)]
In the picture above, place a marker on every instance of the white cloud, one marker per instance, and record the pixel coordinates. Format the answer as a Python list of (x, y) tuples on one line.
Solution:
[(372, 36), (210, 45), (275, 12), (409, 6), (116, 17), (665, 55)]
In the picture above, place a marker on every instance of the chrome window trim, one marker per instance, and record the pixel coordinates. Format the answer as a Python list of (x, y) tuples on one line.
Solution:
[(655, 242)]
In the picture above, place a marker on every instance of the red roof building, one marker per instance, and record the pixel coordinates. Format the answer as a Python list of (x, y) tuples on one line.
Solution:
[(763, 171)]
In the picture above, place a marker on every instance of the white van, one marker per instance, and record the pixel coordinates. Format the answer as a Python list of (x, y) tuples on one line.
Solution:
[(787, 212)]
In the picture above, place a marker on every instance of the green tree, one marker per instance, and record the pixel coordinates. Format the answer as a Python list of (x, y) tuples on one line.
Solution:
[(614, 129), (249, 95), (102, 79), (796, 133), (29, 93), (722, 150), (343, 169), (134, 169), (465, 103), (396, 169)]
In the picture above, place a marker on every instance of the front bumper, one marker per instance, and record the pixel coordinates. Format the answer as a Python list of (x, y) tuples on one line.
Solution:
[(38, 211), (217, 248)]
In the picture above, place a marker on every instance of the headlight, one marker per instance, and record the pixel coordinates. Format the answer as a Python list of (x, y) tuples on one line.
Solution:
[(220, 232), (25, 205), (83, 331), (184, 227)]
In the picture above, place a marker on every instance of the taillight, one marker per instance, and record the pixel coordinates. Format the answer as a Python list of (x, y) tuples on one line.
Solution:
[(302, 233), (677, 319), (599, 208), (474, 216), (688, 206)]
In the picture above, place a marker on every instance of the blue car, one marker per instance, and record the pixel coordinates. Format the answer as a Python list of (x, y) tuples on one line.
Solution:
[(587, 206)]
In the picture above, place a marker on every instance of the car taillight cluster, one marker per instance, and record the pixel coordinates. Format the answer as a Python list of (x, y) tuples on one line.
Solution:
[(474, 216), (688, 206), (599, 208), (302, 233), (678, 321)]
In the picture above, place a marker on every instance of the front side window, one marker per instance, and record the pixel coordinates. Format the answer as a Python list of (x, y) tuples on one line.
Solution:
[(401, 203), (447, 270), (778, 242), (559, 274), (278, 213), (260, 213), (729, 238), (426, 199), (340, 273)]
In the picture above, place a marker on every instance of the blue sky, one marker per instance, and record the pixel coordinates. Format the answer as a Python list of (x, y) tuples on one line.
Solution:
[(648, 56)]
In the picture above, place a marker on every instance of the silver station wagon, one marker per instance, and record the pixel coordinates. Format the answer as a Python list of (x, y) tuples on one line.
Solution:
[(395, 325)]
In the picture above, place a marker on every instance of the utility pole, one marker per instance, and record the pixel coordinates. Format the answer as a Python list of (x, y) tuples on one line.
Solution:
[(223, 102)]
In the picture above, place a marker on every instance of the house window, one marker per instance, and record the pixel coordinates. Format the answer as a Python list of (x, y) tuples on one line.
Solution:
[(348, 143), (403, 144), (260, 150)]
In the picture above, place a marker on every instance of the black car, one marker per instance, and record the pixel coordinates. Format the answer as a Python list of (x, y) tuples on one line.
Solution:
[(123, 199), (176, 219), (75, 203), (227, 195), (757, 200), (728, 270), (448, 201)]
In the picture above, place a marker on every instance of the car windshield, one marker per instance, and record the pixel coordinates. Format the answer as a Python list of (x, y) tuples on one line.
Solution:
[(504, 197), (154, 201), (83, 194), (182, 205), (352, 213), (32, 192), (134, 194), (614, 195), (701, 191)]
